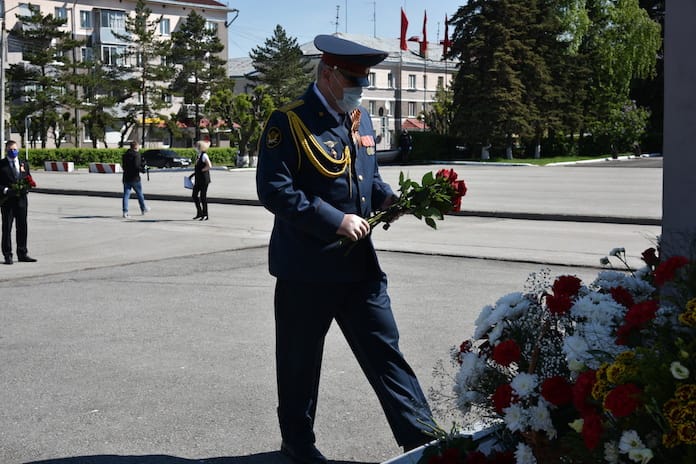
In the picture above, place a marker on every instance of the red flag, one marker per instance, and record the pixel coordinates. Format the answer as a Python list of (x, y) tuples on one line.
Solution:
[(424, 43), (446, 44), (404, 27)]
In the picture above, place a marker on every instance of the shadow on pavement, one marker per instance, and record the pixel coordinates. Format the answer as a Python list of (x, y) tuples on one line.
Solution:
[(273, 457)]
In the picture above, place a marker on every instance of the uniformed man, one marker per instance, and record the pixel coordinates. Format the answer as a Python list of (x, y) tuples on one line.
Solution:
[(317, 173)]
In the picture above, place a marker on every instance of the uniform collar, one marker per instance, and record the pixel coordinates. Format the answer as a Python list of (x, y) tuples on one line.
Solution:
[(337, 116)]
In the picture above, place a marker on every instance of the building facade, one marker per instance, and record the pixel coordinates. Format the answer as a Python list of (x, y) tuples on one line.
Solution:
[(96, 22), (402, 87)]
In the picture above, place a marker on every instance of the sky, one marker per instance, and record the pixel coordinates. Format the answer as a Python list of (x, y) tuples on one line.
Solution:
[(304, 19)]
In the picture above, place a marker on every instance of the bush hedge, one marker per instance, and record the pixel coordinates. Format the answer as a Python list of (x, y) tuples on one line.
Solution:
[(83, 156)]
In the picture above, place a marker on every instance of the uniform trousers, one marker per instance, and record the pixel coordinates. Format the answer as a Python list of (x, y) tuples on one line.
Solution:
[(303, 313)]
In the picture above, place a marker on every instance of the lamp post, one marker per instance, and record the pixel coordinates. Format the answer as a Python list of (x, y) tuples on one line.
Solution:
[(3, 60)]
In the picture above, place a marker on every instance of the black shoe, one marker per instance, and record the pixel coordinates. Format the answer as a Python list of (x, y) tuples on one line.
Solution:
[(8, 259), (26, 259), (305, 454)]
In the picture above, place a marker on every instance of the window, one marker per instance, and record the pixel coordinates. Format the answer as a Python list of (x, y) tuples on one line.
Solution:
[(390, 80), (425, 81), (211, 27), (411, 81), (61, 12), (114, 20), (372, 107), (440, 82), (164, 26), (411, 109), (112, 55), (85, 19), (87, 54), (372, 78), (166, 97)]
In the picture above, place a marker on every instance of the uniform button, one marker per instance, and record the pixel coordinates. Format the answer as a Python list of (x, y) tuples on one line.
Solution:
[(362, 199), (360, 177)]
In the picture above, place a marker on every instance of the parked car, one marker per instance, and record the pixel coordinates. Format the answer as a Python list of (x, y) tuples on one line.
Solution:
[(164, 158)]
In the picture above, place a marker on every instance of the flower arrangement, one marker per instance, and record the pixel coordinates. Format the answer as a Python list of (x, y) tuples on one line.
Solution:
[(434, 197), (20, 186), (576, 373)]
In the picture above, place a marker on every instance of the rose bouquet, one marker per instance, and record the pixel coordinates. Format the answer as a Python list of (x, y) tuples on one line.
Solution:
[(436, 195), (21, 186), (587, 373)]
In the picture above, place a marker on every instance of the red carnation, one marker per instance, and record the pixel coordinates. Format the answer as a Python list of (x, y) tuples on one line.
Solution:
[(640, 314), (507, 352), (650, 257), (30, 181), (502, 398), (591, 429), (623, 400), (622, 296), (559, 304), (665, 270), (582, 391), (556, 390), (566, 285)]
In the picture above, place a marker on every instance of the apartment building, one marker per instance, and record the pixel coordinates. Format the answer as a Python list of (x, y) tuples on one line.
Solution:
[(401, 89), (96, 21)]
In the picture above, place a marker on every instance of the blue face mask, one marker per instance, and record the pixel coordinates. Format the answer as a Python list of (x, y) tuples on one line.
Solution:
[(12, 152), (352, 98)]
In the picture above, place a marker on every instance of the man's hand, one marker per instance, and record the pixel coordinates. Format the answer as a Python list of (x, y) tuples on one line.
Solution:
[(354, 227)]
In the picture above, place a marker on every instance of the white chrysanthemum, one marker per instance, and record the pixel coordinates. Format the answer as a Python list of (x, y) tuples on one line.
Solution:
[(515, 418), (575, 348), (495, 334), (630, 441), (469, 372), (635, 284), (540, 419), (524, 454), (481, 322), (597, 307), (611, 452), (512, 305), (642, 455), (524, 384)]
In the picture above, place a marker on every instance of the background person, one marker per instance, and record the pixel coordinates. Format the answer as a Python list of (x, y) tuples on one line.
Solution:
[(405, 145), (321, 190), (15, 205), (201, 172), (132, 167)]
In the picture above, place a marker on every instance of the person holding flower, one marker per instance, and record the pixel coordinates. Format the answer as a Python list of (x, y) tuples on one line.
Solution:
[(201, 171), (15, 181), (317, 173)]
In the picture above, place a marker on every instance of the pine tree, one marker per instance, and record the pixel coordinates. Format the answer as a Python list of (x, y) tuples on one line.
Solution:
[(145, 56), (196, 48), (282, 67), (37, 80)]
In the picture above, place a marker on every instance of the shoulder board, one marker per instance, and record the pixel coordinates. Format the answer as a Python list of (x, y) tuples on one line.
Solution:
[(291, 106)]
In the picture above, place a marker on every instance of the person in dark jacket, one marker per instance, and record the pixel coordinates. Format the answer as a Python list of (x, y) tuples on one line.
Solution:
[(317, 173), (131, 163), (13, 173), (201, 172)]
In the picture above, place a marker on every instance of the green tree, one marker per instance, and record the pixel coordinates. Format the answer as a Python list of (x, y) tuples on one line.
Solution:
[(36, 81), (489, 94), (282, 67), (196, 48), (146, 57), (440, 117), (248, 111)]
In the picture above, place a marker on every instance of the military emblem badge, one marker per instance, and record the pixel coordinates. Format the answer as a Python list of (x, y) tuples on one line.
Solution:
[(273, 137)]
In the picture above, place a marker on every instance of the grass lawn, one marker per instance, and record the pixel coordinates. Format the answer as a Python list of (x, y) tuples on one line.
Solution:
[(549, 160)]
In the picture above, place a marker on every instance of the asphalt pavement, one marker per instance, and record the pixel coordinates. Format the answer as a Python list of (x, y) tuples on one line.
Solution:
[(150, 340)]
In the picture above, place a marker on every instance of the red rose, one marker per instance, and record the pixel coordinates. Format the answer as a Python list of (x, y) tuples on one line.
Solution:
[(623, 400), (665, 270), (622, 296), (449, 174), (582, 391), (591, 430), (507, 352), (566, 285), (650, 257), (502, 398), (556, 390), (30, 181), (559, 304)]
